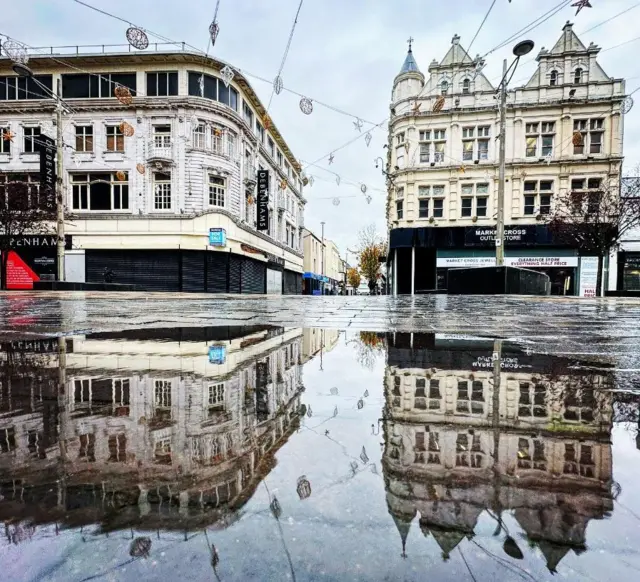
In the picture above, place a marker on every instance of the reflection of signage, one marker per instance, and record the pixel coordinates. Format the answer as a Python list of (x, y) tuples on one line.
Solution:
[(217, 237), (486, 235), (34, 346), (217, 354), (262, 203), (47, 163), (506, 363), (522, 262), (588, 276)]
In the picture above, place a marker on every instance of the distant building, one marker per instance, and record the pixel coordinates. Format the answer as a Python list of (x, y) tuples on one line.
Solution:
[(628, 273), (444, 163), (323, 266)]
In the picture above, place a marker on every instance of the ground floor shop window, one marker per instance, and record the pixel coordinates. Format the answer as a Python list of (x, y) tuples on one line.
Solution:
[(631, 272)]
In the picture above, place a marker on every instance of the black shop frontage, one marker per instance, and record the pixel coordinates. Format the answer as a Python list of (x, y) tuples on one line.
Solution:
[(420, 258)]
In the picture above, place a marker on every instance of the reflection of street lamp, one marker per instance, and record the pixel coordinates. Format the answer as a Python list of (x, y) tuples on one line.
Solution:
[(521, 49)]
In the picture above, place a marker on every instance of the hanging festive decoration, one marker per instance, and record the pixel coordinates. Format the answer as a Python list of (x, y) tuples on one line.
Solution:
[(333, 391), (227, 75), (358, 124), (366, 393), (335, 412), (217, 132), (140, 547), (121, 176), (626, 105), (16, 51), (338, 180), (354, 466), (123, 95), (363, 456), (214, 29), (266, 120), (416, 108), (140, 168), (137, 38), (309, 412), (126, 129), (480, 65), (283, 184), (7, 134), (331, 156), (306, 106), (363, 188), (303, 487), (461, 169), (367, 139), (250, 200), (195, 122), (360, 404), (548, 158), (278, 85), (577, 139), (311, 180), (368, 199), (580, 4), (336, 201), (275, 507), (439, 104)]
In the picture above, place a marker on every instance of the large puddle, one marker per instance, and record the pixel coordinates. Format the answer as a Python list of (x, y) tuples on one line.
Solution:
[(267, 453)]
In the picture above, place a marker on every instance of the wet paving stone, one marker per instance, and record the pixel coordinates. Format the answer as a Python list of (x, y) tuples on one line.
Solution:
[(364, 438)]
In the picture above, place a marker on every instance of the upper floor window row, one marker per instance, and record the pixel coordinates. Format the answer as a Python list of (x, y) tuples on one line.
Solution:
[(210, 87), (96, 85), (162, 84), (14, 87)]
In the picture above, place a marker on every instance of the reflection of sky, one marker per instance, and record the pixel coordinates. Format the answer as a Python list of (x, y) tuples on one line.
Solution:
[(343, 531)]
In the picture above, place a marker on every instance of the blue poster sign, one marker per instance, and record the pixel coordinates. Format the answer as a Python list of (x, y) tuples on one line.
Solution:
[(217, 237), (217, 354)]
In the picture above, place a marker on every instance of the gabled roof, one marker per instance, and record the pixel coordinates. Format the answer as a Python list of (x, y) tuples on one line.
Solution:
[(568, 41), (456, 55)]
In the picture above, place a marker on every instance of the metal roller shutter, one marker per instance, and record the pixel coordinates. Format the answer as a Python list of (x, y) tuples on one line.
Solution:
[(253, 276), (193, 271), (235, 269), (217, 272), (151, 270), (292, 283)]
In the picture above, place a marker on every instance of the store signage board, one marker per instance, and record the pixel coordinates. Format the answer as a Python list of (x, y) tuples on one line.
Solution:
[(588, 276), (522, 262), (217, 354), (263, 200), (486, 235), (217, 237)]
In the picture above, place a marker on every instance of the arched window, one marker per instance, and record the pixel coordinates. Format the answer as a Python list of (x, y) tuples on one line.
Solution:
[(553, 78), (466, 85), (444, 86), (577, 76)]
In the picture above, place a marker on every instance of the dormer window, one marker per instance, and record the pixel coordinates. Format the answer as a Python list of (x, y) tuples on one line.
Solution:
[(553, 78), (577, 76), (444, 87), (466, 86)]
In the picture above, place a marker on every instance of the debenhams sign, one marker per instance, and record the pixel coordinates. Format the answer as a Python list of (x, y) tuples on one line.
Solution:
[(35, 241)]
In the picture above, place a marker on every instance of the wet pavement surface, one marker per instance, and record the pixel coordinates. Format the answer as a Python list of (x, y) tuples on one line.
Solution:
[(448, 439)]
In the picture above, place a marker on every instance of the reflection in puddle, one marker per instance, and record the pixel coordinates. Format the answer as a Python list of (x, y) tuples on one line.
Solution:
[(489, 454)]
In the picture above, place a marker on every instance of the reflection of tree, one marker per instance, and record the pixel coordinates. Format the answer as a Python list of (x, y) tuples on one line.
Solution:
[(369, 347)]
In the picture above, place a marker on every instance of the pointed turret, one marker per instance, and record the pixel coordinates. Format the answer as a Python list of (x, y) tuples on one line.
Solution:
[(409, 81)]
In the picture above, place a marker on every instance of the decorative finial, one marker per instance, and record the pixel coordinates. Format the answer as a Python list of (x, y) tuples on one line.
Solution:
[(410, 41)]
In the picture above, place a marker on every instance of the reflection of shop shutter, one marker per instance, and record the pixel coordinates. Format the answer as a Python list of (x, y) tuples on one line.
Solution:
[(151, 270), (193, 271), (234, 274), (253, 276), (217, 272)]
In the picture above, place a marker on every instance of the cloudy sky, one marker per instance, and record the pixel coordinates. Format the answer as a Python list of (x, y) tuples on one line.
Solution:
[(344, 54)]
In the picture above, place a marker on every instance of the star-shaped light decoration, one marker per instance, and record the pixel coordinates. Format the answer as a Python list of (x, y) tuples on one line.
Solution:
[(462, 170), (8, 135), (416, 108), (267, 121), (331, 156), (580, 4), (358, 124)]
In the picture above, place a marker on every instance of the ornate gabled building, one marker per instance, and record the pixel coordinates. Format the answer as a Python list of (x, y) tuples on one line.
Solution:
[(537, 447), (443, 163)]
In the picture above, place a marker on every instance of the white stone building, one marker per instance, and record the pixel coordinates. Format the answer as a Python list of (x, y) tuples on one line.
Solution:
[(146, 182), (444, 164)]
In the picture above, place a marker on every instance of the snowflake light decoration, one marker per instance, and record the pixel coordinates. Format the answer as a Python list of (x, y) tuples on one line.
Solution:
[(123, 95), (121, 176), (363, 188), (227, 75), (126, 129), (306, 106), (331, 156), (548, 158), (358, 124), (137, 38), (140, 168), (214, 29), (367, 139), (336, 201), (278, 85), (16, 51), (194, 121), (360, 404), (626, 105), (363, 456), (580, 4), (416, 108)]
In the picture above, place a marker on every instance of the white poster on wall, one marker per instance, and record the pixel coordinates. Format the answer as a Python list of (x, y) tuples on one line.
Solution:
[(588, 276)]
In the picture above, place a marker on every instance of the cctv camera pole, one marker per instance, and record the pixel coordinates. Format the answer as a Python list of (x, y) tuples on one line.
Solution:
[(501, 179), (59, 186)]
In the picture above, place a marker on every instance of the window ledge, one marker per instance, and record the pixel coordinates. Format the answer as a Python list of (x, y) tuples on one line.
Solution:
[(113, 156), (29, 157), (84, 156), (5, 158)]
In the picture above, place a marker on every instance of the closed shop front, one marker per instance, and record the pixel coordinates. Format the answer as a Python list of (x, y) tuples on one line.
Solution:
[(629, 271), (254, 276), (292, 283), (274, 282)]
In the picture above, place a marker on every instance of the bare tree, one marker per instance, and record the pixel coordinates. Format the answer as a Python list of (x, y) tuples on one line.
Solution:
[(595, 220), (371, 250), (25, 208)]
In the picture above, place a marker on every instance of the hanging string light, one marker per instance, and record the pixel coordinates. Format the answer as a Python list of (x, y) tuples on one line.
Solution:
[(278, 85), (140, 168), (123, 95), (306, 106), (303, 487), (367, 139), (363, 188), (16, 51), (126, 129), (214, 28), (227, 75), (275, 507), (137, 38), (338, 180)]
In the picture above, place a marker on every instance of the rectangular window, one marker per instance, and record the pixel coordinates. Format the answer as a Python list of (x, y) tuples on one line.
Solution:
[(100, 192), (32, 184), (466, 207), (547, 145), (483, 149), (399, 209), (484, 131), (216, 395), (439, 134), (96, 85), (438, 207), (280, 159), (217, 191), (161, 191), (468, 132), (260, 131), (529, 204), (532, 147), (400, 192), (424, 191), (438, 190), (22, 88), (423, 211), (595, 142), (539, 135), (84, 138), (5, 142), (162, 84), (115, 139), (481, 206), (425, 136), (400, 138), (31, 136), (271, 147), (162, 136), (247, 114), (438, 154), (537, 197), (217, 140), (424, 153), (231, 144), (467, 150), (199, 136)]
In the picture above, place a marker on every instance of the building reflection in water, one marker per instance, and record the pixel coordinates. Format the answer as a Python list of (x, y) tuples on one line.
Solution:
[(537, 446), (165, 428)]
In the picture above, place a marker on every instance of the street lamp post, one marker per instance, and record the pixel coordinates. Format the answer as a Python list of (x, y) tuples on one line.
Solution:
[(521, 49)]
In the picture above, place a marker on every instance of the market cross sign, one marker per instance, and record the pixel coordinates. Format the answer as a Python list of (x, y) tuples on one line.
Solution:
[(263, 200)]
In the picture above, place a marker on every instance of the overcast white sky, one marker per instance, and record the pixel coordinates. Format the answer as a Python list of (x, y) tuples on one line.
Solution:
[(344, 53)]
